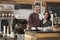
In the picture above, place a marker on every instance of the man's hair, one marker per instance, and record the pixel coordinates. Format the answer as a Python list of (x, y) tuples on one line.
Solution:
[(37, 4)]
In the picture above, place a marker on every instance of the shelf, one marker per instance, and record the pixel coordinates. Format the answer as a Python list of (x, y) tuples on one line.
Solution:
[(6, 11), (6, 18)]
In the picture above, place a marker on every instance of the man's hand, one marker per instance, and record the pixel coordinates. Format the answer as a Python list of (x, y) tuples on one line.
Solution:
[(27, 27)]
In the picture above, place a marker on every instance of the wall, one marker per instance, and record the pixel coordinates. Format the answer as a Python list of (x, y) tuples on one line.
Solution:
[(52, 0), (26, 1), (23, 13)]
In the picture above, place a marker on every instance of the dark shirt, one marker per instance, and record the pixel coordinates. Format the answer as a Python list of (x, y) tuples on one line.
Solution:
[(34, 20), (19, 31), (4, 22), (48, 23)]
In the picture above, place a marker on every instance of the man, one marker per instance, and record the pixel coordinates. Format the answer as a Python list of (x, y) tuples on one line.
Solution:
[(34, 20)]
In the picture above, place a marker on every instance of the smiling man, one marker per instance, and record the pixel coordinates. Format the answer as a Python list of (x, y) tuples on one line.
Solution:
[(34, 20)]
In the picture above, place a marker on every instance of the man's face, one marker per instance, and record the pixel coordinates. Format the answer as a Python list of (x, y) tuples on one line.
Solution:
[(37, 9)]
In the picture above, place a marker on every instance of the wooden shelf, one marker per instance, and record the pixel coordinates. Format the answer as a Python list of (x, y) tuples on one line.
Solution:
[(6, 18), (26, 1)]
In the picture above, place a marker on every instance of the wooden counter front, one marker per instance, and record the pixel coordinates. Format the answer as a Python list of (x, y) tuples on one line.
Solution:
[(33, 35), (56, 28)]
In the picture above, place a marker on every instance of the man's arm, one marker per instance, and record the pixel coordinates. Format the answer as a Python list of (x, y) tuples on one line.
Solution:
[(29, 22)]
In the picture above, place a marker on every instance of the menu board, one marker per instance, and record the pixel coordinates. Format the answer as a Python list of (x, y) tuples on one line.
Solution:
[(23, 6), (54, 7)]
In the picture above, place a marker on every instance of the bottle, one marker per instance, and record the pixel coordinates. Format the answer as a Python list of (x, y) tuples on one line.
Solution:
[(9, 15), (12, 15), (8, 31), (55, 14), (16, 26), (2, 14), (4, 30), (6, 14)]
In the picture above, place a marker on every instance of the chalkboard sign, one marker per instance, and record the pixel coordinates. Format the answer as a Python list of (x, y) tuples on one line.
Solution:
[(54, 7), (23, 6)]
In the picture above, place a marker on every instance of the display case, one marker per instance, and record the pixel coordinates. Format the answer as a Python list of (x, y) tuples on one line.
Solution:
[(6, 19)]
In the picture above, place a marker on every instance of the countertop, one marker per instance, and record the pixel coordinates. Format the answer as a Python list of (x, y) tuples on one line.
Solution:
[(38, 31)]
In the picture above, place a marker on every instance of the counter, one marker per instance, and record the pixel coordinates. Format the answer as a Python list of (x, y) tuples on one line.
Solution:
[(39, 35), (7, 38)]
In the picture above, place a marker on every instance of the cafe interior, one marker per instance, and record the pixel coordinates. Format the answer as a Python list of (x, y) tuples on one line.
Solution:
[(14, 14)]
